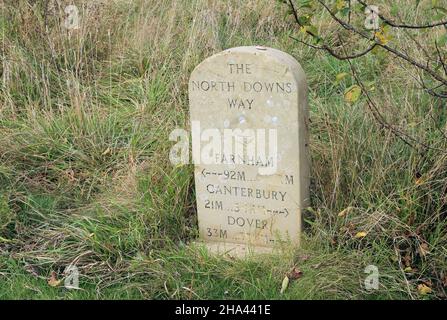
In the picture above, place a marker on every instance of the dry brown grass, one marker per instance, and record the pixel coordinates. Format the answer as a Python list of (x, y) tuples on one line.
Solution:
[(85, 176)]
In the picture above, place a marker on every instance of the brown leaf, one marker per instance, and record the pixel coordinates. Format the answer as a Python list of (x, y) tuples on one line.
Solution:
[(295, 274), (411, 219), (419, 181), (407, 260), (53, 282), (424, 289), (350, 227), (352, 94), (106, 152), (444, 281), (423, 249)]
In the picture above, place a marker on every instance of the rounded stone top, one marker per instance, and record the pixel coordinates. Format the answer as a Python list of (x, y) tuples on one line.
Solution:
[(280, 57)]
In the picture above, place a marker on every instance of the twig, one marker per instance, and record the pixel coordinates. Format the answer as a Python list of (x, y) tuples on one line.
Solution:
[(381, 120), (441, 58), (392, 50), (333, 53)]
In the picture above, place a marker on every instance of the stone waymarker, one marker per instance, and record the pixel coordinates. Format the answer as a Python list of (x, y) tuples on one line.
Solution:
[(248, 108)]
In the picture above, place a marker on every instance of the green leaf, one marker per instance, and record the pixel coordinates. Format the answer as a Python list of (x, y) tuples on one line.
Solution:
[(370, 85), (345, 11), (304, 20), (441, 9), (352, 94), (310, 30), (394, 9), (437, 16), (358, 7), (382, 35), (305, 4), (442, 40), (339, 77), (317, 40), (340, 4), (313, 30)]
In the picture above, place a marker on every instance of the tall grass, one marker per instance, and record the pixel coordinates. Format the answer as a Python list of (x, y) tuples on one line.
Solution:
[(85, 178)]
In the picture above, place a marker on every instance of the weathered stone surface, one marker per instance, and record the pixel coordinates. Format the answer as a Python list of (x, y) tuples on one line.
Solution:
[(248, 194)]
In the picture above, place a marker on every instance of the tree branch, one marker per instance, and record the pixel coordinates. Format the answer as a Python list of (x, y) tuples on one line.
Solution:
[(390, 49), (335, 54)]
